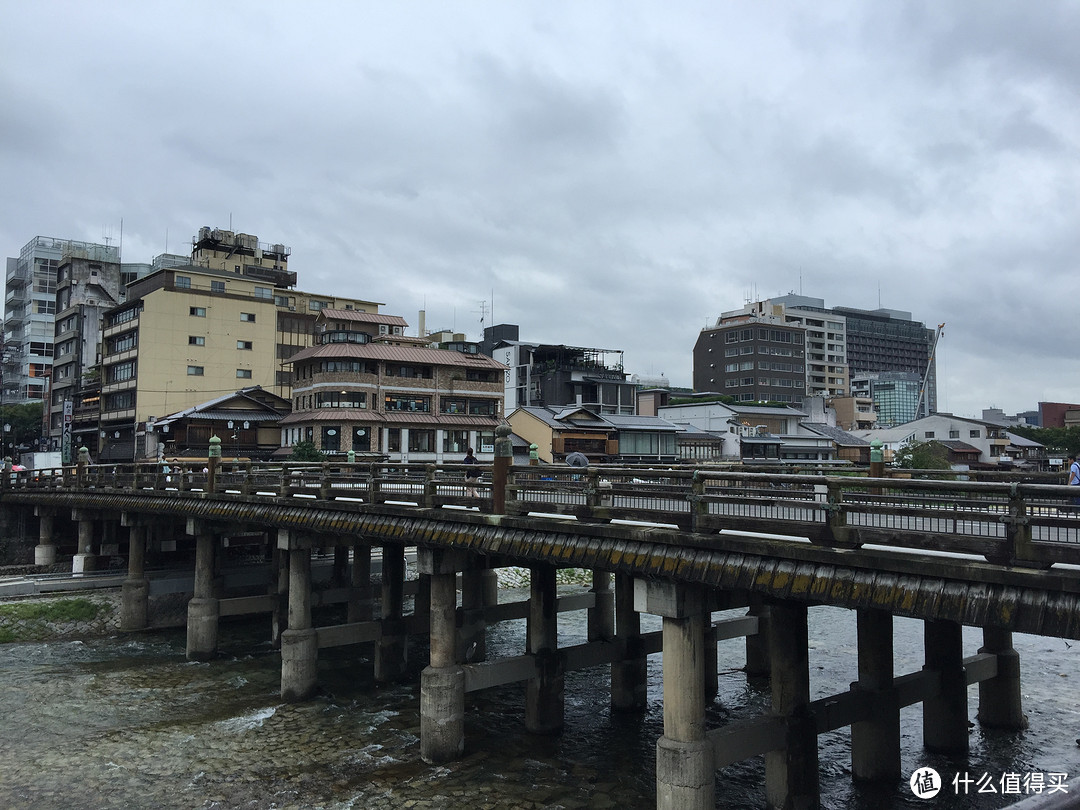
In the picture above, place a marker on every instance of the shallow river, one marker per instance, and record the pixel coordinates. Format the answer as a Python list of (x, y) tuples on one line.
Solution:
[(128, 723)]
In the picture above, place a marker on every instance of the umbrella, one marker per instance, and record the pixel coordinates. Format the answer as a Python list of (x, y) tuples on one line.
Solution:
[(577, 460)]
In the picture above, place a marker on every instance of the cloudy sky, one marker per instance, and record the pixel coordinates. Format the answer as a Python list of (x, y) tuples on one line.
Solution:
[(605, 174)]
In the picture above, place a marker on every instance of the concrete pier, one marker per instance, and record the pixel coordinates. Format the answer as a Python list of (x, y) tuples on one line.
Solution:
[(945, 714), (135, 590), (472, 641), (1000, 704), (360, 603), (601, 617), (45, 550), (391, 648), (629, 676), (84, 560), (791, 772), (204, 607), (875, 743), (758, 665), (442, 683), (300, 643), (544, 691)]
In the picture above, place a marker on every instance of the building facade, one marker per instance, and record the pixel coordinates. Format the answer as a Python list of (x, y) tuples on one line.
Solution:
[(407, 403), (895, 395), (753, 360)]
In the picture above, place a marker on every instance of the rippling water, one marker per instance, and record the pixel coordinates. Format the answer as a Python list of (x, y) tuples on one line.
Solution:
[(129, 723)]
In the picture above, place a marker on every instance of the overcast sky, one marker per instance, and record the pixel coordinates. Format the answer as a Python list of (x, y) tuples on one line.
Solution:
[(609, 175)]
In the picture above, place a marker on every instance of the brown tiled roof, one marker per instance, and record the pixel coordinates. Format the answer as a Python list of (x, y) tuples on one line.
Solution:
[(400, 354), (392, 418), (333, 414), (364, 317)]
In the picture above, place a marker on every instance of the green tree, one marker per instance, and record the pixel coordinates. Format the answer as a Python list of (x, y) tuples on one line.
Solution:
[(916, 455), (1059, 439), (25, 421), (307, 451)]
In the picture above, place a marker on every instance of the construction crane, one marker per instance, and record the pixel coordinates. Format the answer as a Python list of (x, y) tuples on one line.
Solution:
[(926, 375)]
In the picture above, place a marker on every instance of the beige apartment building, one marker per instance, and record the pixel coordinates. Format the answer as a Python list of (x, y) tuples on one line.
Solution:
[(186, 335)]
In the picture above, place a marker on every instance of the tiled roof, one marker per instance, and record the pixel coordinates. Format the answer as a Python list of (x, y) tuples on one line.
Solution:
[(393, 418), (364, 317)]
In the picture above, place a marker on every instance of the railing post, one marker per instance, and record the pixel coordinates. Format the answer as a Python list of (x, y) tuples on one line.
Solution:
[(324, 482), (213, 461), (1018, 528), (877, 463), (430, 482), (698, 508), (81, 469), (839, 531), (504, 453), (375, 484)]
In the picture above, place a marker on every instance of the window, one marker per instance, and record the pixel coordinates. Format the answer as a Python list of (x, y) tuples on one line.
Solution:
[(217, 286), (482, 375), (183, 282), (407, 402), (120, 372), (455, 441), (393, 440), (197, 312), (421, 441), (121, 401), (244, 345), (973, 434), (928, 435), (341, 399), (264, 292), (331, 438), (247, 317), (420, 372), (196, 340), (485, 441), (954, 434), (361, 439), (317, 305), (195, 371), (453, 405), (482, 407), (121, 343), (243, 373)]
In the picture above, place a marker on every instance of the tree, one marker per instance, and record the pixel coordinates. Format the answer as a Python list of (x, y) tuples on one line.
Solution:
[(307, 451), (25, 421), (916, 455), (1060, 439)]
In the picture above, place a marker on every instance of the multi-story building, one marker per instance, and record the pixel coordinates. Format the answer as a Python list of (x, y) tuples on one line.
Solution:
[(410, 403), (188, 334), (753, 359), (546, 374), (30, 311), (895, 395)]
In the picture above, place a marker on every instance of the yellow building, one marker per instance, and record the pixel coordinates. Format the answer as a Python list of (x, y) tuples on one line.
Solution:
[(186, 335)]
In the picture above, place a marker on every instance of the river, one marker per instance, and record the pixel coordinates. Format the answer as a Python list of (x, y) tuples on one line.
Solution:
[(127, 722)]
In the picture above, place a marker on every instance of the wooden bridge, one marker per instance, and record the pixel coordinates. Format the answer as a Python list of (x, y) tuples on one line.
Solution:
[(680, 543)]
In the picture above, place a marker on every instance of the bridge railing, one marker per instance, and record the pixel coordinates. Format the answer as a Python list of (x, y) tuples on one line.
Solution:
[(1033, 523)]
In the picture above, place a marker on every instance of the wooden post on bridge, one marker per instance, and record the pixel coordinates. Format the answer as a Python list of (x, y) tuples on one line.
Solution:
[(300, 643), (945, 714), (629, 677), (204, 607), (1000, 704), (500, 473), (544, 691), (791, 772), (875, 742), (442, 683), (391, 650), (135, 590)]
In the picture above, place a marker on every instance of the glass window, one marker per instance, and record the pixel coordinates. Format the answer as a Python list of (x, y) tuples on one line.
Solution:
[(217, 286), (453, 405), (195, 371), (183, 282), (196, 340), (482, 407), (974, 434), (248, 317), (421, 441), (331, 438), (197, 312), (341, 399), (244, 345), (393, 440), (455, 441), (407, 402), (361, 439), (243, 373), (485, 440), (264, 292)]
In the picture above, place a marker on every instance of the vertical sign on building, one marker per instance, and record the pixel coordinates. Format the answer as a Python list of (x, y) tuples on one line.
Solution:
[(65, 446)]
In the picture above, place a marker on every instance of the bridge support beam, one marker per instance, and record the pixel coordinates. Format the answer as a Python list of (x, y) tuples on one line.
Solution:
[(544, 691), (1000, 705), (712, 668), (203, 609), (442, 683), (875, 743), (391, 650), (629, 677), (360, 580), (945, 715), (791, 772), (135, 591), (685, 769), (300, 643), (45, 550), (84, 560)]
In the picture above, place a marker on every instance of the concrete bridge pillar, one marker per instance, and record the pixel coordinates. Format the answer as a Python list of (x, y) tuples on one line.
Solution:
[(758, 665), (135, 590), (629, 677), (544, 691), (84, 560), (442, 683), (685, 769), (1000, 705), (875, 743), (391, 649), (300, 643), (278, 587), (360, 593), (45, 550), (945, 715), (791, 772), (203, 609), (472, 641), (601, 621)]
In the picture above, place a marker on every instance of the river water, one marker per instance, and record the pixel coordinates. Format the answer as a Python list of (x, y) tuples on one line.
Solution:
[(127, 722)]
